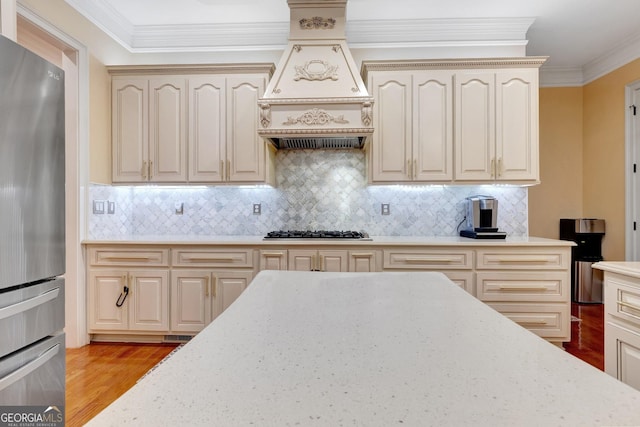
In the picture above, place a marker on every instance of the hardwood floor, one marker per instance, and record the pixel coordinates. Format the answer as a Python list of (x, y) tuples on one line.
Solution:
[(99, 373), (587, 335)]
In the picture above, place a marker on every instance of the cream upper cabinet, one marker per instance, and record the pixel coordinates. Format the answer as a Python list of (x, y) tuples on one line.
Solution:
[(496, 125), (207, 128), (475, 125), (149, 132), (454, 121), (412, 140), (246, 151), (189, 127)]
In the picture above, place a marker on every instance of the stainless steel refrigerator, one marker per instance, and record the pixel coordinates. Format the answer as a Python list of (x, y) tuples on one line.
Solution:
[(32, 229)]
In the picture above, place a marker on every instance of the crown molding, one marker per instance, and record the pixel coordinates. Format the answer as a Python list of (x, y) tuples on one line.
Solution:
[(561, 76), (627, 51), (107, 18)]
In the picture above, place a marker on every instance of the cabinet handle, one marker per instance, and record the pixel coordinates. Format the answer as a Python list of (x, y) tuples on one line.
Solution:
[(222, 175), (362, 255), (500, 167), (428, 260), (521, 288), (321, 262), (122, 258), (206, 286), (493, 167), (143, 171), (129, 283), (278, 254), (532, 322), (628, 305), (228, 170), (205, 259), (214, 286), (150, 169), (532, 260), (415, 169), (409, 169)]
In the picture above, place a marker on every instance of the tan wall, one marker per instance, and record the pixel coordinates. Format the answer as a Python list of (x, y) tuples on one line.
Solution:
[(560, 193), (99, 122), (604, 154)]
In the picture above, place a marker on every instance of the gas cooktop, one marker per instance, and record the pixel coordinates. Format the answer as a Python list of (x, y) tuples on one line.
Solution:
[(317, 234)]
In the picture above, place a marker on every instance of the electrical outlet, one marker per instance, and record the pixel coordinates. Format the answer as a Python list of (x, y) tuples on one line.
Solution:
[(98, 207), (384, 209), (179, 208), (111, 207), (257, 208)]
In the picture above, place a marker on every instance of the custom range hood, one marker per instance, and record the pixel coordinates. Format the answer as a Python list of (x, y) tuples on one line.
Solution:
[(316, 97)]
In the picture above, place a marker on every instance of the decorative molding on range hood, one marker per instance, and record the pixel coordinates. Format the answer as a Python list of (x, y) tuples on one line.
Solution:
[(316, 90)]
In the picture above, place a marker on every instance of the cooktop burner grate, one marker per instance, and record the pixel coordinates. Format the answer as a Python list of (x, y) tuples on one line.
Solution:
[(316, 234)]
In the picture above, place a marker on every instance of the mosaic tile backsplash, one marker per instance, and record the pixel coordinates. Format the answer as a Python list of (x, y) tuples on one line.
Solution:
[(316, 189)]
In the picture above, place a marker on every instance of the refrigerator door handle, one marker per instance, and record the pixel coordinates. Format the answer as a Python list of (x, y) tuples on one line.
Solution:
[(25, 305), (25, 370)]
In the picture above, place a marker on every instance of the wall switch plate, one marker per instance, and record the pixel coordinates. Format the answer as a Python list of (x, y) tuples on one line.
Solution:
[(111, 207), (98, 207), (257, 208), (179, 208), (384, 209)]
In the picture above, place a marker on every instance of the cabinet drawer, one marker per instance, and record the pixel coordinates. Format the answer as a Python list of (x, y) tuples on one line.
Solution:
[(428, 259), (110, 256), (522, 286), (212, 258), (524, 259), (622, 299), (545, 320)]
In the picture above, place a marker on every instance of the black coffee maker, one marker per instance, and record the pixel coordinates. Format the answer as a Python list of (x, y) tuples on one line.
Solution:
[(482, 218)]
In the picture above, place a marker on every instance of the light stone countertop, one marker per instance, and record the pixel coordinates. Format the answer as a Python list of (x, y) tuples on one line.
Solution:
[(369, 349), (375, 240), (628, 268)]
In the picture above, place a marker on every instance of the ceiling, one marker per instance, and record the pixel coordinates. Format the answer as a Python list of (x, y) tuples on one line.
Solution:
[(583, 39)]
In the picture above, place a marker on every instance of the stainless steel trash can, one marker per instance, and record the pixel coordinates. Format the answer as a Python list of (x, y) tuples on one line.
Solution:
[(588, 286)]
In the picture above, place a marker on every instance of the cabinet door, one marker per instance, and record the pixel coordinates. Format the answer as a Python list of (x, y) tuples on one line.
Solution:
[(391, 157), (433, 126), (303, 259), (191, 296), (167, 129), (273, 260), (105, 288), (334, 261), (364, 261), (622, 353), (130, 124), (228, 287), (149, 300), (474, 117), (245, 149), (207, 130), (517, 149)]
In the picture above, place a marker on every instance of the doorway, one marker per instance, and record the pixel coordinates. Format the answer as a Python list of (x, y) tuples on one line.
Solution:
[(632, 165)]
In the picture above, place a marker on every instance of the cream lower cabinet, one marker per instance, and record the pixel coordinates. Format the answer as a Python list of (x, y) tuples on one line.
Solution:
[(205, 282), (318, 260), (128, 290), (531, 286), (622, 327), (275, 259), (199, 296), (456, 264)]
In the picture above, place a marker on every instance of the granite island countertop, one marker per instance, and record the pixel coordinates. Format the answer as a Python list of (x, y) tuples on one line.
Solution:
[(371, 349)]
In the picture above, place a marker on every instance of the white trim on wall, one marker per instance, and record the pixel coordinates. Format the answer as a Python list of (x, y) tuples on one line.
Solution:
[(78, 184)]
